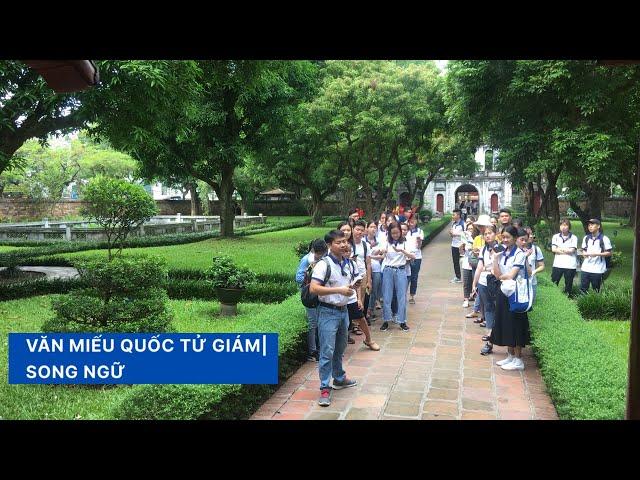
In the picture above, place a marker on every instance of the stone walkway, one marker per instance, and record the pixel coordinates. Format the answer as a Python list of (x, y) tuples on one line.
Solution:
[(51, 272), (432, 372)]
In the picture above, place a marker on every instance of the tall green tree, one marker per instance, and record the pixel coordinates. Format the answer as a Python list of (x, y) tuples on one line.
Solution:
[(29, 108), (551, 120), (212, 120)]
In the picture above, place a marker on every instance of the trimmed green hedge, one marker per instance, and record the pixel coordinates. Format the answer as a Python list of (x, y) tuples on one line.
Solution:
[(613, 302), (433, 228), (224, 402), (263, 291), (29, 254), (585, 376)]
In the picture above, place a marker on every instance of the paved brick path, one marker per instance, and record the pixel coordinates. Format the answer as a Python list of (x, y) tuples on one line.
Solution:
[(434, 371)]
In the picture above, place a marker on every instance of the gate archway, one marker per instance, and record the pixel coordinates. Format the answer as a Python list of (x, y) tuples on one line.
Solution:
[(469, 194)]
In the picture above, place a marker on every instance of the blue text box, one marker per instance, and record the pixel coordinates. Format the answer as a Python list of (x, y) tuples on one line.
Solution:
[(180, 358)]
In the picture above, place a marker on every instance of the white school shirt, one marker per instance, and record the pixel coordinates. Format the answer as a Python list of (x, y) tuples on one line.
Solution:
[(562, 260), (513, 257), (486, 256), (595, 264), (536, 256), (360, 260), (456, 241), (393, 258), (468, 247), (336, 279), (414, 235), (381, 235), (376, 265)]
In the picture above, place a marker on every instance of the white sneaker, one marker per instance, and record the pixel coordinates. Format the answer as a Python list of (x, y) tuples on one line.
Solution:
[(509, 359), (453, 280), (458, 280), (465, 304), (516, 364)]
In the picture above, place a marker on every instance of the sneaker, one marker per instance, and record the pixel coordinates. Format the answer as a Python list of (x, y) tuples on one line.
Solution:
[(454, 280), (311, 358), (487, 349), (404, 326), (412, 301), (346, 383), (509, 359), (516, 364), (350, 339), (384, 326), (465, 304), (458, 281), (325, 397)]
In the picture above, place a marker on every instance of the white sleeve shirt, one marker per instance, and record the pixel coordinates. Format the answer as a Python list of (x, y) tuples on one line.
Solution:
[(563, 260), (595, 264)]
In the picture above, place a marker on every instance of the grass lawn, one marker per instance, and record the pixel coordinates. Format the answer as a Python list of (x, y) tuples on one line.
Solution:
[(271, 252), (73, 401), (605, 343)]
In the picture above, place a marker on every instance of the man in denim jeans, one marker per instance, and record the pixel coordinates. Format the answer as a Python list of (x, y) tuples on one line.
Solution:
[(333, 317), (317, 250)]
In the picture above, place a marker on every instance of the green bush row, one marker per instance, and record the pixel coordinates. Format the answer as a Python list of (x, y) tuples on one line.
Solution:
[(433, 228), (583, 374), (28, 254), (224, 402), (263, 291), (259, 292), (612, 303)]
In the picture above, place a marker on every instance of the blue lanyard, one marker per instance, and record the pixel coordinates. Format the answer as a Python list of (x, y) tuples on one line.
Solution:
[(565, 239), (513, 252), (598, 238)]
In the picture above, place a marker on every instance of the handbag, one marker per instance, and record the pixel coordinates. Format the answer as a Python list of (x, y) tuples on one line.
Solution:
[(521, 298), (473, 260)]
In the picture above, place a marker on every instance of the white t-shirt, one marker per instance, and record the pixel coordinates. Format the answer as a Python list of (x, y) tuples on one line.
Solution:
[(595, 264), (414, 235), (456, 240), (486, 257), (376, 265), (563, 260), (514, 257), (360, 259), (381, 235), (337, 279), (468, 250), (536, 256), (393, 258)]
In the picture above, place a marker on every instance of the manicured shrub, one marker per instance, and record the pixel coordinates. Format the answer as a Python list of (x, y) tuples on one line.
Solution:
[(258, 292), (123, 295), (224, 402), (612, 303), (118, 207), (224, 273), (585, 376)]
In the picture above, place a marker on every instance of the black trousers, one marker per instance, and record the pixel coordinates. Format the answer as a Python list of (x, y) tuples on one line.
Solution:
[(568, 273), (455, 256), (586, 278)]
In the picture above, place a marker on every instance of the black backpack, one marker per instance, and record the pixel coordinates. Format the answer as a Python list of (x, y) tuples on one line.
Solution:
[(308, 299)]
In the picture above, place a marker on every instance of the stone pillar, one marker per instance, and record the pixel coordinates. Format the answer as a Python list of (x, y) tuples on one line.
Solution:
[(67, 233)]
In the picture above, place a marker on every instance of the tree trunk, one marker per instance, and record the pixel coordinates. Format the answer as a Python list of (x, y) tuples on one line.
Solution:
[(553, 206), (593, 207), (227, 211), (531, 200), (196, 206), (316, 206)]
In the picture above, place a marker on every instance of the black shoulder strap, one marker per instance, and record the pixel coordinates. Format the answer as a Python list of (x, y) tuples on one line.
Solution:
[(327, 274), (365, 250)]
